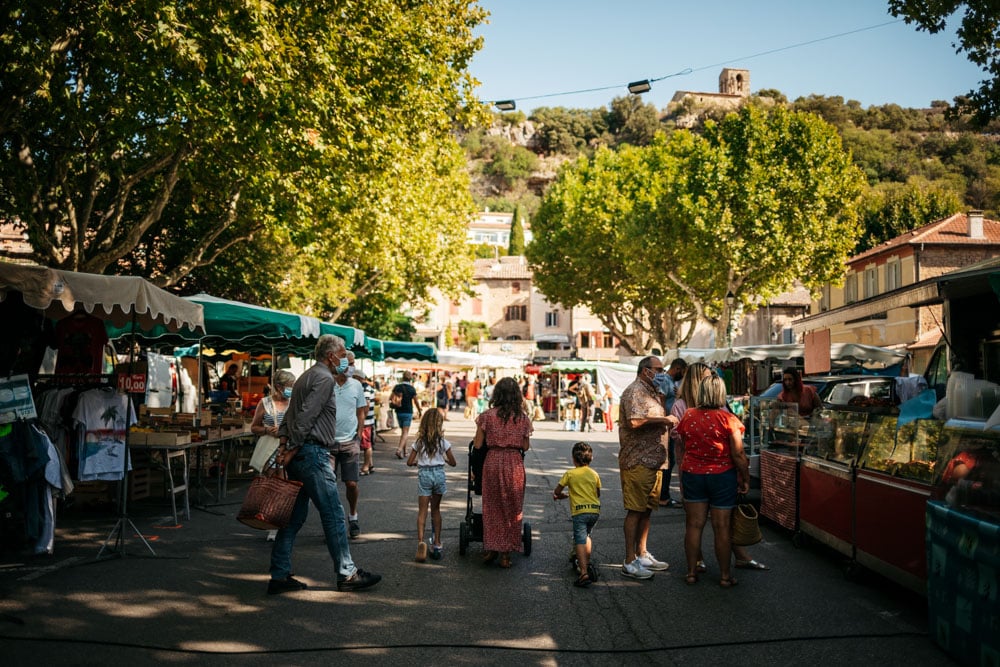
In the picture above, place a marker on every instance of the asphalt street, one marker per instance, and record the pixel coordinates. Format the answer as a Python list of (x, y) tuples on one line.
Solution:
[(202, 598)]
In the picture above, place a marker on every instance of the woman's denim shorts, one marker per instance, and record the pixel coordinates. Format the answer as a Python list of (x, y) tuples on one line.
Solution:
[(716, 489)]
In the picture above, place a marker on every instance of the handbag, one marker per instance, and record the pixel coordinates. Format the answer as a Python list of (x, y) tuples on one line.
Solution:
[(269, 501), (396, 399), (746, 529), (266, 444)]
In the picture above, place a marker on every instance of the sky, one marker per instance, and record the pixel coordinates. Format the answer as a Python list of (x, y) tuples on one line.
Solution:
[(540, 47)]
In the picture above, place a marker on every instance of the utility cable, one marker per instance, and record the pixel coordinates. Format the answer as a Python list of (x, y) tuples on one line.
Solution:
[(689, 70)]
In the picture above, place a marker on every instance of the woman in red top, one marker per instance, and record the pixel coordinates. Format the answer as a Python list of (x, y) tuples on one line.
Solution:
[(794, 391), (505, 428), (714, 469)]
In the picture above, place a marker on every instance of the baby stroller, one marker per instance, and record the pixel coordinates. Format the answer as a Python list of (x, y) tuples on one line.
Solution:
[(471, 529)]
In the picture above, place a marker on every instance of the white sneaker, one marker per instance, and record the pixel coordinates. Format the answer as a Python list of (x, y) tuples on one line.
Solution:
[(648, 561), (635, 570)]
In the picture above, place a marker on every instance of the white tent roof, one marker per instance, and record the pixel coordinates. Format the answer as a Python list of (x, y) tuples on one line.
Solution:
[(114, 298)]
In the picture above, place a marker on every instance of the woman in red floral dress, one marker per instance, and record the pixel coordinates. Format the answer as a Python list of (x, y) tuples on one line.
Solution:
[(506, 430)]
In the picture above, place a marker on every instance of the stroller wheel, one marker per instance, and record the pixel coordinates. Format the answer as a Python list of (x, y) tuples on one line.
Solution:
[(526, 538), (463, 538)]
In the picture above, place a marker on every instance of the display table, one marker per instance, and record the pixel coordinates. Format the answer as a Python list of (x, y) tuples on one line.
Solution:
[(963, 557)]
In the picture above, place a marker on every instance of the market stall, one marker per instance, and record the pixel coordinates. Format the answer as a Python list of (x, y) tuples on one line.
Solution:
[(603, 373), (81, 304)]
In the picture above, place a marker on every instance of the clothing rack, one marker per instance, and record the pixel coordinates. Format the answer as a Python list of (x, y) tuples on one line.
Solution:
[(81, 380)]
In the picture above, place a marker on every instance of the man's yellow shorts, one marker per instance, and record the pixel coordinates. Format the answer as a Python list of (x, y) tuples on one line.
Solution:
[(641, 488)]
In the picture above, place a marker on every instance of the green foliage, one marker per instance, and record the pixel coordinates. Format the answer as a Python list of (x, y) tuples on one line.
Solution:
[(773, 94), (381, 317), (516, 245), (978, 36), (568, 131), (472, 332), (891, 209), (651, 239), (630, 121), (511, 163), (164, 138)]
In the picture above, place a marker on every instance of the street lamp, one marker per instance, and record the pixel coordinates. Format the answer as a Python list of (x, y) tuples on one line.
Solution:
[(730, 302), (505, 105), (639, 87)]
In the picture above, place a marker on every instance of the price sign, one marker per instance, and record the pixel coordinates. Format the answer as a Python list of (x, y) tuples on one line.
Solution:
[(132, 384)]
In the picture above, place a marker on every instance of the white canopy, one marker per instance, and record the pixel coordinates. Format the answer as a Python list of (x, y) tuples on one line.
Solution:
[(458, 360), (838, 352), (116, 298)]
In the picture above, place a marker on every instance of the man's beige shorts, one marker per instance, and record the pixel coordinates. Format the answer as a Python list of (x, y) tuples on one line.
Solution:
[(641, 488)]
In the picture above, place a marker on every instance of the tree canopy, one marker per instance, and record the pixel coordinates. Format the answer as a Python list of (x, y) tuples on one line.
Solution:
[(158, 138), (978, 37), (651, 239)]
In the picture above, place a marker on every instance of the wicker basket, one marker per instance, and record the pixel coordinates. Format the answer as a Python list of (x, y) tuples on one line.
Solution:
[(746, 529), (269, 502)]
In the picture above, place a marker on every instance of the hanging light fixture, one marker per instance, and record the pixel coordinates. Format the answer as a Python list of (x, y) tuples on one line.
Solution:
[(505, 105), (639, 87)]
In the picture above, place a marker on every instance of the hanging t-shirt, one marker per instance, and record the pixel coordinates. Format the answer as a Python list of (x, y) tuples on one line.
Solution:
[(81, 339), (101, 416)]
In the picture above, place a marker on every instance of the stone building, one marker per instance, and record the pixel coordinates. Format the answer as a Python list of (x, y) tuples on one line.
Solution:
[(875, 305), (734, 89)]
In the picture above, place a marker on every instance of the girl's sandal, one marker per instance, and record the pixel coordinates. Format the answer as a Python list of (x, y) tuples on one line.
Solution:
[(691, 579), (728, 582), (583, 581)]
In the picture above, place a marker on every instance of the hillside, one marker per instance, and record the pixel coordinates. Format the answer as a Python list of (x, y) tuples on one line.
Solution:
[(921, 164)]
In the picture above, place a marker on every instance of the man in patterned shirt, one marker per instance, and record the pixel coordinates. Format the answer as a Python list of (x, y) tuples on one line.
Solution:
[(643, 436)]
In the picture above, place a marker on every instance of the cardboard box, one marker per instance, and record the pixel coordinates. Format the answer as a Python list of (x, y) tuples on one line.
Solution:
[(168, 438)]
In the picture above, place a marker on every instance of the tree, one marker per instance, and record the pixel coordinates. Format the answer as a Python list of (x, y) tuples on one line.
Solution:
[(632, 122), (472, 332), (153, 137), (978, 37), (568, 131), (580, 255), (891, 209), (652, 239), (516, 245), (764, 198)]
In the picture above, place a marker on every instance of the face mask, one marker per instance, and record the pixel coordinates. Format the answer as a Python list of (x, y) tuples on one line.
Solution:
[(663, 384), (350, 371), (287, 392), (342, 366)]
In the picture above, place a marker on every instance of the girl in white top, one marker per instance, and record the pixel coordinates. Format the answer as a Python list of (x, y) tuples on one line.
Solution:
[(429, 453)]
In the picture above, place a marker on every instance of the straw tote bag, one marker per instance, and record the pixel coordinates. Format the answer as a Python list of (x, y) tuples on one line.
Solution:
[(269, 501), (746, 529)]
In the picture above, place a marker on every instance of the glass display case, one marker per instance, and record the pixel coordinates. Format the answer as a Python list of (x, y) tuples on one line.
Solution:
[(837, 436), (908, 452)]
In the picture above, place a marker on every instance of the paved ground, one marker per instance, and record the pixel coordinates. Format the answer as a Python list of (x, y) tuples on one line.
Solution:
[(202, 599)]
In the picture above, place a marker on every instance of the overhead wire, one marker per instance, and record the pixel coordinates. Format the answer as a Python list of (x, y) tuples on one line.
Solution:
[(690, 70)]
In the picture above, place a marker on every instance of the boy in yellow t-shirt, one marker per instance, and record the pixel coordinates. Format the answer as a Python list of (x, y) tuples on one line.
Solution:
[(585, 507)]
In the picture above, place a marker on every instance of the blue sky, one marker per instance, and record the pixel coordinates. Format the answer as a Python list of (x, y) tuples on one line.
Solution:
[(541, 47)]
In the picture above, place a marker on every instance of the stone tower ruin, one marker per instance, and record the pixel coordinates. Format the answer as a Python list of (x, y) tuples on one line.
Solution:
[(735, 82)]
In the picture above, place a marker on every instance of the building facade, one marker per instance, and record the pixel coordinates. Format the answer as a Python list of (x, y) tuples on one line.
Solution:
[(874, 305)]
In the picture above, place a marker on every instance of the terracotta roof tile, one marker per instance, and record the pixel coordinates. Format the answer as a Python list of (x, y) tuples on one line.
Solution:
[(953, 230), (508, 268)]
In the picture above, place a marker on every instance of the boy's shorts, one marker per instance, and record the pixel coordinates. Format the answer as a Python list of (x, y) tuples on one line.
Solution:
[(366, 437), (582, 525), (404, 419), (641, 488), (431, 481)]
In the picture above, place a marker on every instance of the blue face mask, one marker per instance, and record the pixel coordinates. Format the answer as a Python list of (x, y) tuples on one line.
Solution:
[(287, 392), (342, 365), (664, 384)]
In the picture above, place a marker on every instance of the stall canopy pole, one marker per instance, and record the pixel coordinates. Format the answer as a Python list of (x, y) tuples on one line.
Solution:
[(118, 531)]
